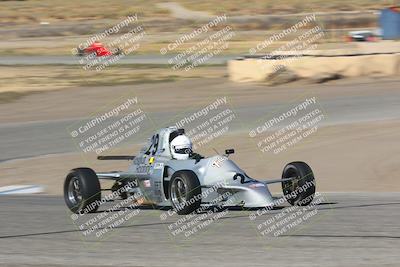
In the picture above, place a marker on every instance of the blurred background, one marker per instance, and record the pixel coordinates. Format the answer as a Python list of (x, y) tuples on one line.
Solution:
[(36, 32)]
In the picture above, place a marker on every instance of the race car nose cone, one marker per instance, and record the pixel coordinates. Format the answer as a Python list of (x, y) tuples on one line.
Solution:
[(257, 195), (252, 195)]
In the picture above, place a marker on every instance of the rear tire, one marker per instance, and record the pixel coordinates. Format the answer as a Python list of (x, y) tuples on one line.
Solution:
[(299, 191), (82, 192), (185, 192), (80, 52), (117, 186), (118, 51)]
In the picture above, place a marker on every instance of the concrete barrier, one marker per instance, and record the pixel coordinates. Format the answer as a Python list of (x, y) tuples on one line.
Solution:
[(259, 70)]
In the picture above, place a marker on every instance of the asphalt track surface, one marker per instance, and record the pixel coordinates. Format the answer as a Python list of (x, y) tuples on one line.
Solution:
[(348, 229), (34, 138)]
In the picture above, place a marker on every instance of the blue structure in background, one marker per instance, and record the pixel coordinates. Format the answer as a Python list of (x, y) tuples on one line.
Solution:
[(390, 23)]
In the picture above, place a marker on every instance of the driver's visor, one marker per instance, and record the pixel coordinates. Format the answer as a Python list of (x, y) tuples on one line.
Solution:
[(185, 150)]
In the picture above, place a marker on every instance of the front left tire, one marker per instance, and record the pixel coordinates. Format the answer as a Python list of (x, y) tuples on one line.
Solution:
[(185, 192), (82, 192)]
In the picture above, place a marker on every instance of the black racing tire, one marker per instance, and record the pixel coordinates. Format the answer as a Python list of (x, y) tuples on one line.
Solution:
[(185, 192), (82, 192), (118, 51), (299, 191), (117, 186), (80, 52)]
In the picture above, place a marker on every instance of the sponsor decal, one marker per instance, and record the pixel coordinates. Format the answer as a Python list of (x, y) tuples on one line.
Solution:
[(158, 166)]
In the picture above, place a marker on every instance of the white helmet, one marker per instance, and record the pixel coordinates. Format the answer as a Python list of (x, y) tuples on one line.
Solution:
[(181, 147)]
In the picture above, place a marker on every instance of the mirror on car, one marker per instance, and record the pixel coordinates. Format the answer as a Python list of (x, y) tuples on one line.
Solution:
[(229, 151)]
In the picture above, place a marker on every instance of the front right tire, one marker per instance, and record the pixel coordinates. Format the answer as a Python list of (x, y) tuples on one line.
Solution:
[(300, 190)]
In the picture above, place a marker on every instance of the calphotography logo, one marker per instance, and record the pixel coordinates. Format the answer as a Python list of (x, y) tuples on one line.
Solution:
[(111, 45), (204, 43), (111, 128), (190, 225), (105, 222), (289, 128), (288, 220), (208, 123), (304, 37)]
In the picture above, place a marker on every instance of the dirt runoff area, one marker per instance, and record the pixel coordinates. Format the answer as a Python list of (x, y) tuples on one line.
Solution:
[(22, 80)]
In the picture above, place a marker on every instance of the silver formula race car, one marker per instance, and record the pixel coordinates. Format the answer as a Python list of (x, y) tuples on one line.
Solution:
[(185, 184)]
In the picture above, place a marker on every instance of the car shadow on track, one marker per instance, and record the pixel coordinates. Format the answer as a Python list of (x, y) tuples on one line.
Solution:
[(322, 206)]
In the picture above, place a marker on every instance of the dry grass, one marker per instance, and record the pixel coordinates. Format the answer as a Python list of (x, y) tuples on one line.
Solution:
[(30, 11), (20, 12), (18, 81), (252, 7), (239, 44), (74, 20)]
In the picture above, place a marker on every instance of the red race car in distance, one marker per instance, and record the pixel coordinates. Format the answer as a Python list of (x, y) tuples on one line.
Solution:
[(99, 50)]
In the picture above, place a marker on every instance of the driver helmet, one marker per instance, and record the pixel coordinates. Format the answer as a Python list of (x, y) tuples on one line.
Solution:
[(181, 147)]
